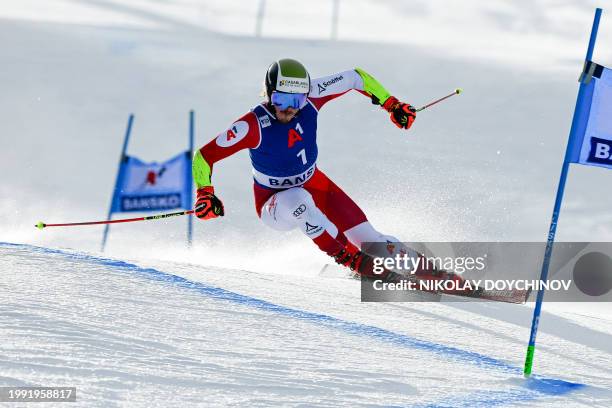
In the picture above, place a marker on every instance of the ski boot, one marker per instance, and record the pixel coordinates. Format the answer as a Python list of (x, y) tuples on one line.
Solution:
[(362, 265)]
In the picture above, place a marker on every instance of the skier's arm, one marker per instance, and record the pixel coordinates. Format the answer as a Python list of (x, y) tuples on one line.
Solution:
[(372, 88), (242, 134), (401, 114), (202, 171), (327, 88)]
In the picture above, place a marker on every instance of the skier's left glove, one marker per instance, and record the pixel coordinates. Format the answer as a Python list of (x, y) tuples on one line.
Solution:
[(207, 204), (402, 114)]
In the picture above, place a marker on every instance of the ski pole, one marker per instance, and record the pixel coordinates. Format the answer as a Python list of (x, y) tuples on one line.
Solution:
[(40, 225), (456, 92)]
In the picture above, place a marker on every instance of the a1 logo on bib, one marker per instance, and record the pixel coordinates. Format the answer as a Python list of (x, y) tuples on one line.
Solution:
[(293, 136), (234, 134)]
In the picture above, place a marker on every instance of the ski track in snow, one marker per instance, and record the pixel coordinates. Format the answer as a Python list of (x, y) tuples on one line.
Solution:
[(137, 334)]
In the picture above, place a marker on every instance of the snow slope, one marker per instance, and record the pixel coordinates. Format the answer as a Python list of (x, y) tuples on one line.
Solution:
[(185, 335), (482, 166)]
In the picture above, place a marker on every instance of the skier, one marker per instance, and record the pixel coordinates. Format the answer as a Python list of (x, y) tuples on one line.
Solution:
[(290, 189)]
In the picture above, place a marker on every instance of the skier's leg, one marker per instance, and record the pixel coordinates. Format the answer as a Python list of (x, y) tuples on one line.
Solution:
[(351, 220), (295, 208), (334, 202), (343, 211), (365, 236), (365, 232)]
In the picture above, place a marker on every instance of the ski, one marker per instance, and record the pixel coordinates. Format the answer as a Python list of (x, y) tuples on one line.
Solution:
[(506, 296)]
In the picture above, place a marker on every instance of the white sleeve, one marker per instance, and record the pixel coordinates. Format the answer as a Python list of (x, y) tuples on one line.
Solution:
[(335, 84)]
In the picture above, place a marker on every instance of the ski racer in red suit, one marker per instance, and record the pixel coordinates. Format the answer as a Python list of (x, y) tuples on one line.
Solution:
[(290, 190)]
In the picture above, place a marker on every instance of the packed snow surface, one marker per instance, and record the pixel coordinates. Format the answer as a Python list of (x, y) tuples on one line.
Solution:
[(175, 334)]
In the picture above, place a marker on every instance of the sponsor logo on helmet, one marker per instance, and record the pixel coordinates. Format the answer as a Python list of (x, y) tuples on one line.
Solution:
[(291, 82), (233, 135), (293, 85)]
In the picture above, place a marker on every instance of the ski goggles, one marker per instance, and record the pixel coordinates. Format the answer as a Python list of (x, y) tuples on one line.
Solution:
[(284, 100)]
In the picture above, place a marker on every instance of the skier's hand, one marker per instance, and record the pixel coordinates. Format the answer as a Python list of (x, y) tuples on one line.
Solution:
[(207, 204), (402, 114)]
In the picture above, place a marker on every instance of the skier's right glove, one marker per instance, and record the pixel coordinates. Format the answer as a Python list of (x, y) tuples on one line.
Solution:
[(402, 114), (207, 204)]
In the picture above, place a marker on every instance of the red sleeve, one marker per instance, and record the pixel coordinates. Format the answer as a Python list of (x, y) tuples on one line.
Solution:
[(319, 102), (244, 133)]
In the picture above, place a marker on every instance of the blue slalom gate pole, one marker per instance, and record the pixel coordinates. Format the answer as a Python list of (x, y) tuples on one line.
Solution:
[(190, 177), (555, 216), (128, 131)]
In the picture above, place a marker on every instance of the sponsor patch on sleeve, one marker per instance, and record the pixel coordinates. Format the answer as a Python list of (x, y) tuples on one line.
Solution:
[(234, 134), (329, 82)]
